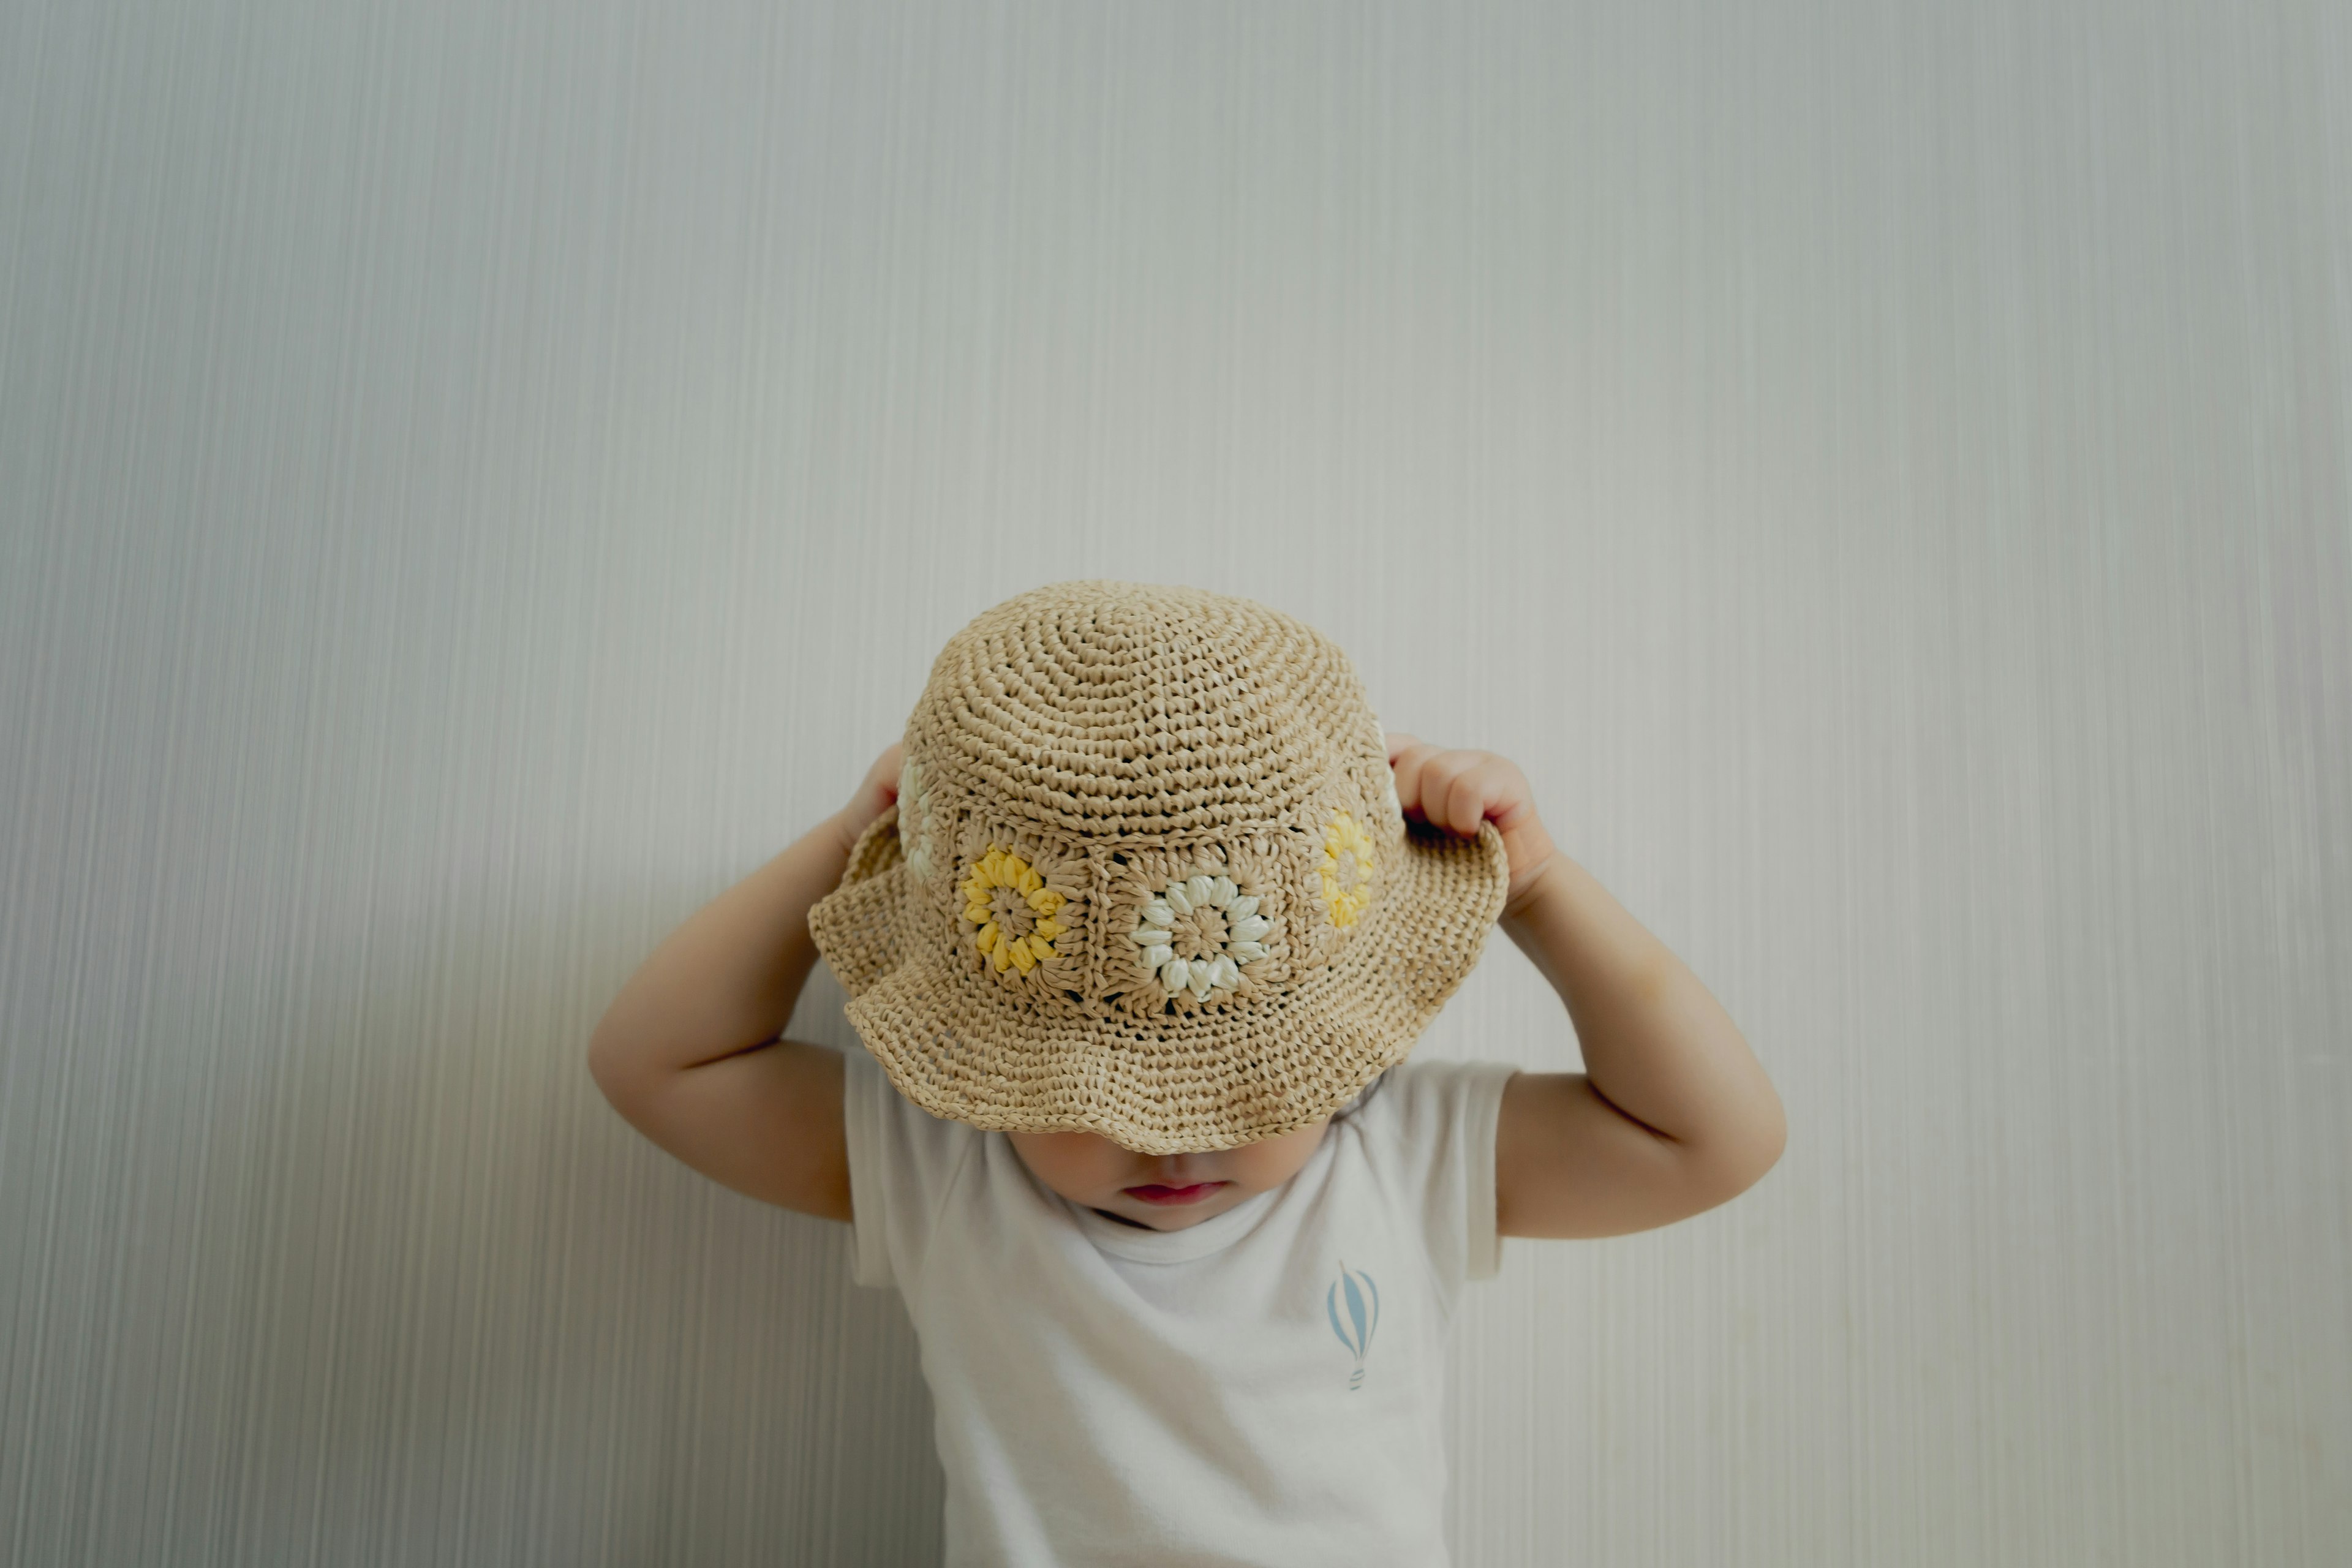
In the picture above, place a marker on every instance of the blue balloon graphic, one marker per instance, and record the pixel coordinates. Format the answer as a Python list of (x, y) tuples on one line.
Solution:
[(1363, 1303)]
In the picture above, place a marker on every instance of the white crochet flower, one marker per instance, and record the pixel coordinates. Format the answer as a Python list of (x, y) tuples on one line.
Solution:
[(1214, 925), (913, 843), (1387, 774)]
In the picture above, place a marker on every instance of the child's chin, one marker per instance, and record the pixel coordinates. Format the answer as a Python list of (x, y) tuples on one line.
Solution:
[(1176, 1217)]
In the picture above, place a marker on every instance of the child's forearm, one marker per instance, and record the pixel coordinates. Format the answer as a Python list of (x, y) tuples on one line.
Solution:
[(726, 980), (1657, 1045)]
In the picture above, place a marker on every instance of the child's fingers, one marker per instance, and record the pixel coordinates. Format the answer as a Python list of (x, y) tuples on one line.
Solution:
[(1425, 777), (876, 791), (1456, 790), (1489, 788)]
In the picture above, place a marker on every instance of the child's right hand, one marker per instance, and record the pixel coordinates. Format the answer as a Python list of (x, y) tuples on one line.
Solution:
[(1456, 790), (875, 795)]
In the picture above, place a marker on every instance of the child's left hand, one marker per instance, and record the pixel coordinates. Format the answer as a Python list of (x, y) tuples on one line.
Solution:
[(1457, 790)]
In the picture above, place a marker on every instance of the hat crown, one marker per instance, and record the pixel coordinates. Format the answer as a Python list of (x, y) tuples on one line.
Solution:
[(1106, 710)]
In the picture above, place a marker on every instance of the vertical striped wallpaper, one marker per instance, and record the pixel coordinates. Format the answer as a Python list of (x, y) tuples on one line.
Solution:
[(478, 478)]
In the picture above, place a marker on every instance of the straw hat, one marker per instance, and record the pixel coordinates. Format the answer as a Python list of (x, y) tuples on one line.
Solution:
[(1147, 876)]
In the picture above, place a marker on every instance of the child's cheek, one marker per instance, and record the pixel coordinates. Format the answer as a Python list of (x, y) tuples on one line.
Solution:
[(1078, 1165)]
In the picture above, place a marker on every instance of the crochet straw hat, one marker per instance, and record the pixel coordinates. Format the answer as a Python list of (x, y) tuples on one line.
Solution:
[(1147, 876)]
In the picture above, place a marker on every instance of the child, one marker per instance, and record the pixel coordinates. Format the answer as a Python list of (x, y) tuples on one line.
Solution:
[(1138, 924)]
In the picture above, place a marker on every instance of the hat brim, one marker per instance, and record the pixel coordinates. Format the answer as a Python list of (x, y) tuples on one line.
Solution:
[(1184, 1088)]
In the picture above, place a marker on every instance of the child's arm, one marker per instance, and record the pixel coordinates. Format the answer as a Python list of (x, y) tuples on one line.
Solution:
[(688, 1052), (1673, 1114)]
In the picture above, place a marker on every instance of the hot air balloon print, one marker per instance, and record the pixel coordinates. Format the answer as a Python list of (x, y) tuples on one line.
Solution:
[(1354, 1303)]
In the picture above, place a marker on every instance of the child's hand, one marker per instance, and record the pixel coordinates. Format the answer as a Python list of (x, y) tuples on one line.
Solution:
[(1457, 790), (874, 796)]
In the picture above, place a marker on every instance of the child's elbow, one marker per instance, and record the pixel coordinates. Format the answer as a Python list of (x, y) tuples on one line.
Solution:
[(1742, 1158), (611, 1065), (1766, 1141)]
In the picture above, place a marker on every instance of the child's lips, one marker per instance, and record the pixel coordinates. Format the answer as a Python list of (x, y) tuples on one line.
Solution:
[(1153, 1193)]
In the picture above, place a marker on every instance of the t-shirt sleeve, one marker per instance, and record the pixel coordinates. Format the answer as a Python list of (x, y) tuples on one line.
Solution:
[(903, 1163), (1438, 1119)]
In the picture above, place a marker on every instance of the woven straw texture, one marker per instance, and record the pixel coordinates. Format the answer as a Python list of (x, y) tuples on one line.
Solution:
[(1147, 876)]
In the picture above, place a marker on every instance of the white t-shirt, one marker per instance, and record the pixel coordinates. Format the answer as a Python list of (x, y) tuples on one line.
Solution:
[(1262, 1387)]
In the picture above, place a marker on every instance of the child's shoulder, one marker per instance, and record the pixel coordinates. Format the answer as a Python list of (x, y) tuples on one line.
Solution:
[(1433, 1075), (1427, 1094)]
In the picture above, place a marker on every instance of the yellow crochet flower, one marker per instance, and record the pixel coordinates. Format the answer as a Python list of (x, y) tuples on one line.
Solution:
[(1014, 910), (1348, 867)]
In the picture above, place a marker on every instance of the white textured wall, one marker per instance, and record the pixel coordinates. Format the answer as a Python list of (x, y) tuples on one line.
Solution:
[(478, 478)]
